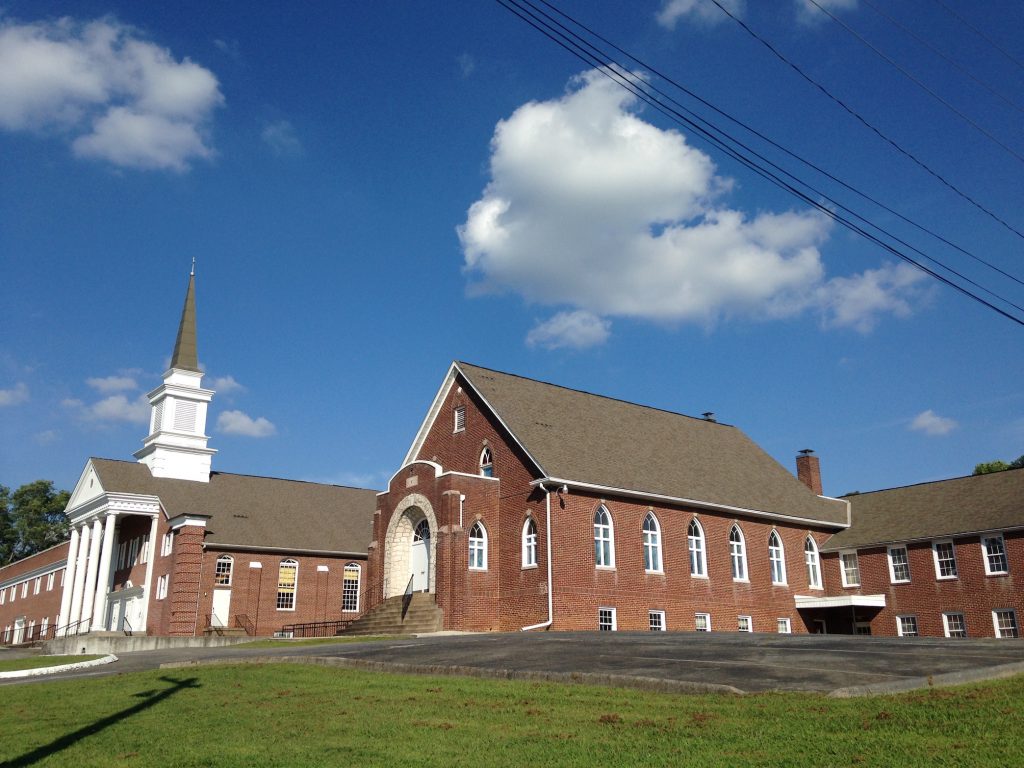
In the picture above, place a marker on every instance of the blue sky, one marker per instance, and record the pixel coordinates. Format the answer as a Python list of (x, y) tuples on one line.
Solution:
[(372, 190)]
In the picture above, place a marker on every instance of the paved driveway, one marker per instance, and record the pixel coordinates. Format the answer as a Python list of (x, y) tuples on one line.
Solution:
[(753, 662)]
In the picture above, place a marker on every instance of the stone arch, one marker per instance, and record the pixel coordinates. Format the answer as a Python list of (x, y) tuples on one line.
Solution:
[(398, 541)]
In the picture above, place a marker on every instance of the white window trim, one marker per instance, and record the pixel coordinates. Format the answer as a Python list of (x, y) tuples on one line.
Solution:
[(231, 570), (935, 557), (525, 546), (945, 622), (995, 621), (295, 588), (656, 546), (707, 622), (819, 583), (349, 567), (782, 559), (899, 624), (161, 587), (486, 468), (610, 565), (615, 620), (783, 621), (167, 544), (702, 553), (482, 538), (739, 623), (984, 554), (49, 581), (459, 419), (842, 567), (663, 627), (740, 554), (892, 568)]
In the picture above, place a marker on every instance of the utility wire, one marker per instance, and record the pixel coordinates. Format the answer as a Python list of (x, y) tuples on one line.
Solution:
[(905, 152), (949, 59), (770, 141), (615, 72), (913, 78), (980, 34)]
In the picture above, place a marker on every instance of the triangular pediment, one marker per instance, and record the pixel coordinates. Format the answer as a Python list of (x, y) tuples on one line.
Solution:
[(87, 488)]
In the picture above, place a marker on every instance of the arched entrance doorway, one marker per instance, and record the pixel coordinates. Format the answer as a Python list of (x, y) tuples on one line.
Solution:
[(410, 547)]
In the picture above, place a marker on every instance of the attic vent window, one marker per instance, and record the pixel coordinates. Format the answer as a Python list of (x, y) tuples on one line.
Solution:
[(460, 419), (185, 416)]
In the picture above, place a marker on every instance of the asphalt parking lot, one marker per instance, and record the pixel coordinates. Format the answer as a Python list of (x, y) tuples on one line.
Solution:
[(741, 662)]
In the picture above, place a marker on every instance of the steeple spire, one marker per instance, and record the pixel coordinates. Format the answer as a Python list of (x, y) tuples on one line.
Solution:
[(186, 357)]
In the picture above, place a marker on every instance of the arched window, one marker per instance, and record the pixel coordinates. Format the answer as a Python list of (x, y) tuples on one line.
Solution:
[(529, 543), (350, 587), (222, 571), (652, 543), (695, 542), (486, 462), (422, 532), (604, 546), (813, 563), (738, 554), (776, 558), (478, 547), (287, 584)]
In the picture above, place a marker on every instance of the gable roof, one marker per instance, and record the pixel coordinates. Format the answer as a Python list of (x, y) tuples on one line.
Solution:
[(953, 507), (589, 439), (257, 512)]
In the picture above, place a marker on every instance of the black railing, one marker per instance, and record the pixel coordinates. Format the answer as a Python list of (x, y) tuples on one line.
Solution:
[(407, 598), (244, 622), (127, 627), (34, 634), (75, 628), (317, 628)]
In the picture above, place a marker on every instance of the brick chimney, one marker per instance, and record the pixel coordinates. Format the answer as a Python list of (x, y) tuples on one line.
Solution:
[(808, 470)]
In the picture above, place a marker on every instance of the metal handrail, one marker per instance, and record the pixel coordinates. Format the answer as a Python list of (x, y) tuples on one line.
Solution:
[(128, 627), (317, 628), (407, 597), (72, 628)]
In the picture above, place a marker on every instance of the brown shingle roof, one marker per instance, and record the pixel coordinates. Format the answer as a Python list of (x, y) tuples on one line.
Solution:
[(591, 439), (930, 510), (257, 511)]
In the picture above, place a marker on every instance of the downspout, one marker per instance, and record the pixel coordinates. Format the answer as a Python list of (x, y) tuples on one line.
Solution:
[(547, 536)]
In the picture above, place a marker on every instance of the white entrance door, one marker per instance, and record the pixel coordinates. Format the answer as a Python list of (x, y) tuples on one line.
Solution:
[(19, 630), (114, 620), (419, 557), (221, 606)]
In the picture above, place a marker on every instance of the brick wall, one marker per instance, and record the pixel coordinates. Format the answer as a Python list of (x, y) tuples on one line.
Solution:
[(33, 608)]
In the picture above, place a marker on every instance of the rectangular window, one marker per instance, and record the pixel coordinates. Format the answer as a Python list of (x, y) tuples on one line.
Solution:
[(24, 589), (899, 565), (14, 592), (850, 569), (656, 621), (606, 619), (133, 552), (744, 624), (63, 571), (784, 626), (459, 419), (161, 587), (144, 549), (1005, 623), (994, 549), (906, 626), (350, 588), (45, 625), (702, 622), (49, 582), (37, 586), (862, 628), (167, 544), (3, 596), (287, 576), (954, 625), (945, 560)]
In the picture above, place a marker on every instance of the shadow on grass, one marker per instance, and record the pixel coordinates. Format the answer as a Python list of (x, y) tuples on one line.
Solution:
[(150, 698)]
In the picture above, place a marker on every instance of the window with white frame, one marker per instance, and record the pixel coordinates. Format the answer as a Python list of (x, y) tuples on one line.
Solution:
[(702, 622), (43, 626), (14, 592), (744, 624), (954, 625), (813, 563), (1005, 623), (994, 550), (604, 548), (478, 547), (49, 581), (144, 550), (222, 571), (37, 585), (850, 569), (784, 626), (606, 619), (287, 584), (350, 588), (3, 596), (695, 543), (167, 544), (899, 565), (486, 462), (62, 572), (656, 621), (906, 626), (652, 544), (24, 589), (945, 559), (738, 554), (529, 543), (459, 419), (161, 587), (776, 558)]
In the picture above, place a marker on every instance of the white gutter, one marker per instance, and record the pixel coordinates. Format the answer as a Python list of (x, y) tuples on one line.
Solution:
[(547, 536)]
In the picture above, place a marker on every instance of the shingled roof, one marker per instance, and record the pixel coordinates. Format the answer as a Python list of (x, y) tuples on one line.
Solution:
[(954, 507), (586, 438), (259, 512)]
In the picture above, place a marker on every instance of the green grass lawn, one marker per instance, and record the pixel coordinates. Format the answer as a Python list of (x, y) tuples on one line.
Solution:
[(294, 715), (35, 662), (284, 643)]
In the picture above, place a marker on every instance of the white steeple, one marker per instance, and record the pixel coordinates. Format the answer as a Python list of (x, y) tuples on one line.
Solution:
[(176, 445)]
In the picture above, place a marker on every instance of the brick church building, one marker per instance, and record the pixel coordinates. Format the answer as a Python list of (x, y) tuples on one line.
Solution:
[(520, 505)]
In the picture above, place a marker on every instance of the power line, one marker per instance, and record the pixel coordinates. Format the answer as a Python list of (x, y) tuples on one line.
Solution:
[(614, 71), (910, 76), (860, 118), (980, 34)]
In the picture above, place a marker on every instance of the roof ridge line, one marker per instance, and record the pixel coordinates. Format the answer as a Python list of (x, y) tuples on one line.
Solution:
[(928, 482)]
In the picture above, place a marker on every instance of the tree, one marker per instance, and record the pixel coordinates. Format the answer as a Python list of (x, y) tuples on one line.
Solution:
[(998, 465), (35, 513), (8, 538)]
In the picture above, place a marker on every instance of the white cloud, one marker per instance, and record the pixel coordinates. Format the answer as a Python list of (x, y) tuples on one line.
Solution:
[(15, 395), (579, 329), (46, 437), (116, 408), (225, 385), (591, 207), (117, 97), (107, 384), (239, 423), (703, 11), (467, 64), (281, 138), (932, 424), (807, 13)]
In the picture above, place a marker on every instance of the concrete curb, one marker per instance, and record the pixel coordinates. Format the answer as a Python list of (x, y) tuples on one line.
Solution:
[(16, 673), (931, 681), (585, 678)]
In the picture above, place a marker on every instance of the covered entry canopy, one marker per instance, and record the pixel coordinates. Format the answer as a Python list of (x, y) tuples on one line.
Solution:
[(840, 614)]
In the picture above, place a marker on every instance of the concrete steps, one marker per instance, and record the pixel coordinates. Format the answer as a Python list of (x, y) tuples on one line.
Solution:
[(386, 619)]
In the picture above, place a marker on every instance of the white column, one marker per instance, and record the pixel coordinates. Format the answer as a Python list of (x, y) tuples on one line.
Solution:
[(76, 595), (69, 579), (148, 594), (104, 574), (90, 574)]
